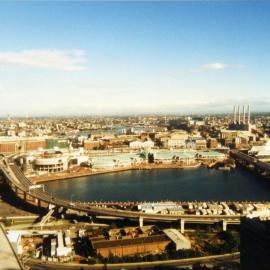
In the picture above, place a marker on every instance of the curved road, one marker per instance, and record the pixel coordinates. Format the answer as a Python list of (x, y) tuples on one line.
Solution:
[(37, 264)]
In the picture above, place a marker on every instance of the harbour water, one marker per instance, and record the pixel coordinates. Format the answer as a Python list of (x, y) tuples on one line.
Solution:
[(168, 184)]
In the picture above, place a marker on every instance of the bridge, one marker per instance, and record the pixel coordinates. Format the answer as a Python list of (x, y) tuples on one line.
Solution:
[(246, 160), (20, 185)]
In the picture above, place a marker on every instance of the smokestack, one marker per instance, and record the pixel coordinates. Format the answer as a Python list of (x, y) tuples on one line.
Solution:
[(244, 114), (239, 114), (248, 114), (234, 114)]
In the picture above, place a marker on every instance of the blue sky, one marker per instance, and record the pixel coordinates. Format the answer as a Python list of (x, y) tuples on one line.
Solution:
[(60, 58)]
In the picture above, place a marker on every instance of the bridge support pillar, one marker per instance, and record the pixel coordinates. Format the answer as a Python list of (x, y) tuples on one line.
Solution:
[(182, 225), (141, 221), (16, 190), (38, 202), (224, 225)]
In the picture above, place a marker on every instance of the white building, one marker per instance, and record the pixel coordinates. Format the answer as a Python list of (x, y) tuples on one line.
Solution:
[(156, 207), (51, 164), (180, 241), (141, 145), (261, 152), (178, 139), (257, 148), (56, 161)]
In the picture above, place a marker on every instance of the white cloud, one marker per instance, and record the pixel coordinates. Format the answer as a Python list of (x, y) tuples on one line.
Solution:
[(220, 66), (65, 60), (215, 66)]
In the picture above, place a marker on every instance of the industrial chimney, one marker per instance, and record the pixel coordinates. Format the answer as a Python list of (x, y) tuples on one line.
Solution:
[(239, 114), (244, 113), (234, 114), (248, 114)]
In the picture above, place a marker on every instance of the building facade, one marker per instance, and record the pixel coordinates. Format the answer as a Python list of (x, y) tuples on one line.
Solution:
[(254, 244)]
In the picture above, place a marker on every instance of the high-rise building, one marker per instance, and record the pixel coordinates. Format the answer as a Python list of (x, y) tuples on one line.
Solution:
[(254, 244)]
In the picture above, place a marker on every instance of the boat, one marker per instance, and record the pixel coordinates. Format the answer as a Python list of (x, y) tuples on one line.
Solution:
[(225, 168), (212, 165)]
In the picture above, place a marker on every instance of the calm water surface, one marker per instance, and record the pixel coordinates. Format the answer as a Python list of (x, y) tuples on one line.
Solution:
[(172, 184)]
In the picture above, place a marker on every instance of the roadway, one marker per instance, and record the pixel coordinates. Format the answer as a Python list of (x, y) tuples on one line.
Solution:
[(39, 265)]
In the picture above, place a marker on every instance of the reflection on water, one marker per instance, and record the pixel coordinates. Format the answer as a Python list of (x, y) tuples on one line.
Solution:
[(171, 184)]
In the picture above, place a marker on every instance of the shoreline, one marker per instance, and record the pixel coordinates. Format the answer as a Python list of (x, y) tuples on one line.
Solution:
[(82, 171)]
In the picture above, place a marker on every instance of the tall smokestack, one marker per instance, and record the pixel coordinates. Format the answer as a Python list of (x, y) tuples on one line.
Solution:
[(234, 114), (248, 114), (239, 114), (244, 114)]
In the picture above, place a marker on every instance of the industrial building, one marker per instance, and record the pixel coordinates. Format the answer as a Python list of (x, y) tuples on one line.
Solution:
[(91, 144), (236, 138), (49, 244), (127, 247), (139, 240), (262, 152), (13, 144), (241, 119)]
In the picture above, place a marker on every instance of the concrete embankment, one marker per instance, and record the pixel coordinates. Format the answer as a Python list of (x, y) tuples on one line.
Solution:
[(82, 171)]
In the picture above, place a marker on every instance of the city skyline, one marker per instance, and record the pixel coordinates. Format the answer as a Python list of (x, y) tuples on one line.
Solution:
[(84, 58)]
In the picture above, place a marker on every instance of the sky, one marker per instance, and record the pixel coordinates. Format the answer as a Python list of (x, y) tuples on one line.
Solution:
[(116, 57)]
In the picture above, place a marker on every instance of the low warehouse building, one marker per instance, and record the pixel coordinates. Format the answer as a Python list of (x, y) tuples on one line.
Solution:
[(131, 246)]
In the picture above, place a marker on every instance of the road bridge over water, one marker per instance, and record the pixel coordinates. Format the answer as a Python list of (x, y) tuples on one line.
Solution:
[(246, 160), (40, 198)]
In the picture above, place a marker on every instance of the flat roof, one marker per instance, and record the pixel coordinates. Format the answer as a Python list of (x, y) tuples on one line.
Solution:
[(16, 138), (176, 236), (130, 241)]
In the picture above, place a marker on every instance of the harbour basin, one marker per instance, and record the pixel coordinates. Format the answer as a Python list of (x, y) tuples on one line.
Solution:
[(165, 184)]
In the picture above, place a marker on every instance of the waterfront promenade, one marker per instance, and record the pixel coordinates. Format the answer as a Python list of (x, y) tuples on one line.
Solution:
[(84, 171)]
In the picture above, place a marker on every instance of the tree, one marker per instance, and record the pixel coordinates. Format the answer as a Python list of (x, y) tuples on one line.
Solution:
[(151, 158), (158, 143)]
